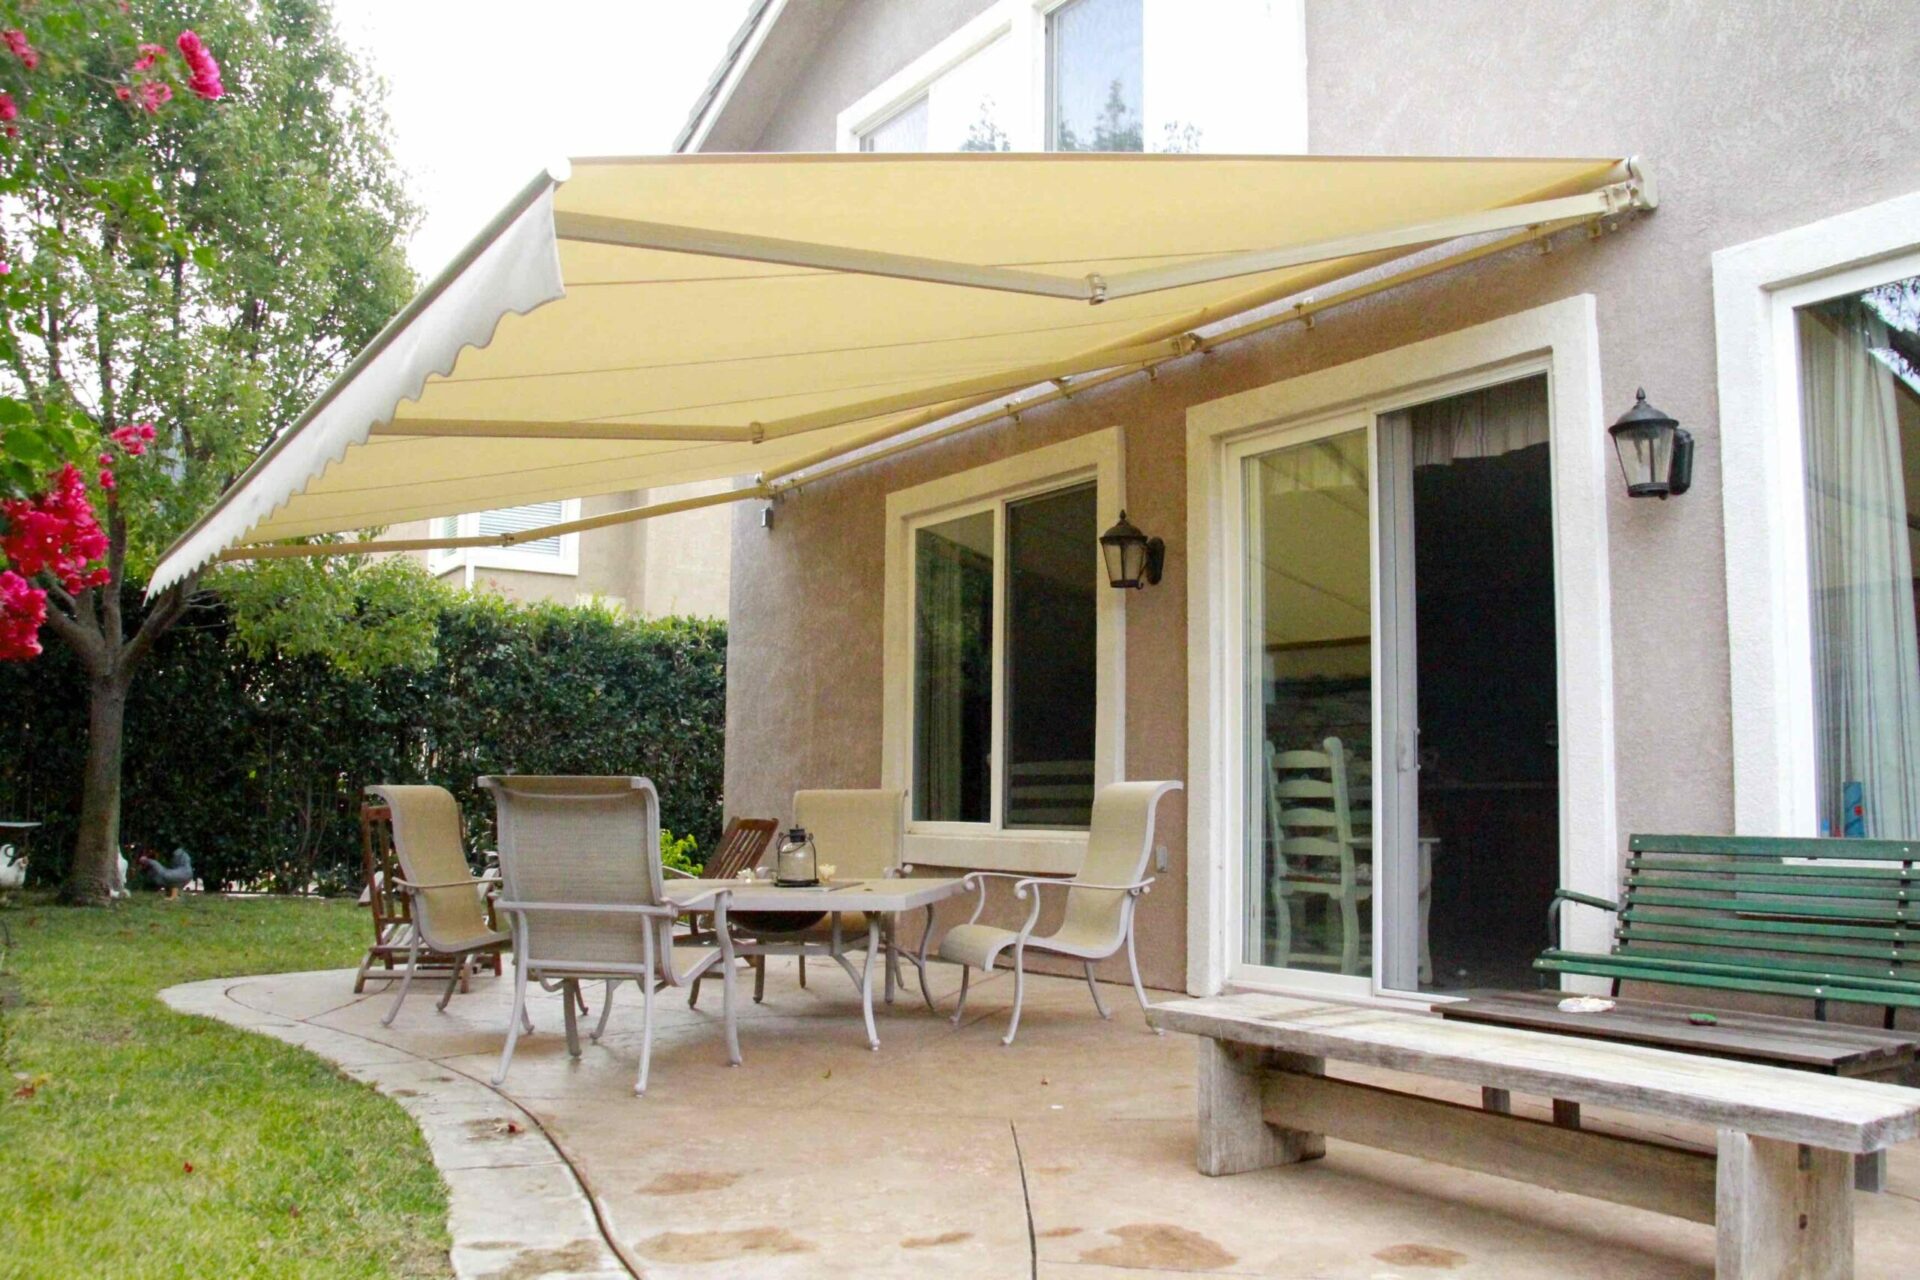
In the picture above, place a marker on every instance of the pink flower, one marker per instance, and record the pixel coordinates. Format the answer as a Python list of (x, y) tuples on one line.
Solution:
[(23, 611), (122, 92), (9, 109), (56, 533), (17, 42), (6, 268), (203, 72), (106, 480), (153, 94), (133, 438), (149, 54)]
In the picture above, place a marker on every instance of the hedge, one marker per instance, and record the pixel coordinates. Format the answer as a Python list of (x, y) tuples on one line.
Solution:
[(255, 766)]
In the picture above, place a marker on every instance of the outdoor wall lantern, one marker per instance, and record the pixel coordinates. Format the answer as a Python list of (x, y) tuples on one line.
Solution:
[(1656, 454), (1133, 559)]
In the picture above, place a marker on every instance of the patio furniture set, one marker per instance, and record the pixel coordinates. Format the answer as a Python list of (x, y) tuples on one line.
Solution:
[(584, 898)]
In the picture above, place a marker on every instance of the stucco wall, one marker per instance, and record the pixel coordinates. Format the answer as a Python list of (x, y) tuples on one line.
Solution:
[(1754, 117), (870, 40)]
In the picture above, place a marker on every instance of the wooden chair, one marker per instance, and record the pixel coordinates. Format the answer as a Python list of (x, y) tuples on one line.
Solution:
[(446, 904), (742, 845), (1098, 919), (392, 917), (1321, 848)]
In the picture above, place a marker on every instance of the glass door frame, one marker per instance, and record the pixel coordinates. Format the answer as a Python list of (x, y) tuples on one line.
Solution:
[(1389, 873), (1239, 780)]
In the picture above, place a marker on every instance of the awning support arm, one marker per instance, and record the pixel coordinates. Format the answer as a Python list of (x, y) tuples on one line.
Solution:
[(631, 233), (625, 515)]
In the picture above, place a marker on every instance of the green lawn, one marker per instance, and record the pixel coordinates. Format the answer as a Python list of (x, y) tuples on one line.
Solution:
[(295, 1170)]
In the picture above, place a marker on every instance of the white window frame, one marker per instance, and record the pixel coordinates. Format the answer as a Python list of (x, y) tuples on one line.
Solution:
[(1757, 286), (1560, 339), (1024, 22), (566, 564), (1095, 457)]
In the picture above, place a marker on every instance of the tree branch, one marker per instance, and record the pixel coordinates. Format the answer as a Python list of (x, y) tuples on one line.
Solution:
[(166, 611)]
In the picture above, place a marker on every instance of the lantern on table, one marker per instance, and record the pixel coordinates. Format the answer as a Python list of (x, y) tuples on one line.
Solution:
[(797, 864)]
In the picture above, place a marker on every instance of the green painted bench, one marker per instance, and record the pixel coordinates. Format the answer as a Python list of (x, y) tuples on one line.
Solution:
[(1821, 919)]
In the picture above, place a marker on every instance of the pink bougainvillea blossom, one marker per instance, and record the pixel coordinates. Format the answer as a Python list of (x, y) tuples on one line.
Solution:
[(23, 611), (107, 481), (149, 54), (17, 42), (153, 95), (203, 72), (56, 533), (122, 92), (134, 438), (6, 268), (9, 109)]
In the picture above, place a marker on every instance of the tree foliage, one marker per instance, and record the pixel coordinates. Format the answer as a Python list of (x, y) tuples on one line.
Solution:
[(254, 761)]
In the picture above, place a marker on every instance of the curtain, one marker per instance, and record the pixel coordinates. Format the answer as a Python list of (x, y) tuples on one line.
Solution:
[(1866, 659), (1480, 424)]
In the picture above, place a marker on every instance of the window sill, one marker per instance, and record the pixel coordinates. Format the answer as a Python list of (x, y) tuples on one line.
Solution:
[(1036, 852)]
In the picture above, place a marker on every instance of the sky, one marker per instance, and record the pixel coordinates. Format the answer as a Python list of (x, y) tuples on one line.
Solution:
[(483, 94)]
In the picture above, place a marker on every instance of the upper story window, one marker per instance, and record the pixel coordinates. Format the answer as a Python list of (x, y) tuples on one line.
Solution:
[(1096, 74), (557, 554), (1227, 76)]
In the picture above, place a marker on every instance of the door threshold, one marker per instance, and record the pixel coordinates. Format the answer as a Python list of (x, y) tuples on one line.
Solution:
[(1405, 1002)]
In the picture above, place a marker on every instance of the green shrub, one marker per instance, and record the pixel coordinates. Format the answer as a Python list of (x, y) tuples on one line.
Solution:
[(255, 765)]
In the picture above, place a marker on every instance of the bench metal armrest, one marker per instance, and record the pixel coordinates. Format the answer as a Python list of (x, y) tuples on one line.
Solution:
[(1582, 899)]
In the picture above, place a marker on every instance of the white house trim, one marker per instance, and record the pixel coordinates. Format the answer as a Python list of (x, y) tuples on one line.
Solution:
[(467, 559), (1756, 287), (1009, 18), (1097, 457), (1561, 338)]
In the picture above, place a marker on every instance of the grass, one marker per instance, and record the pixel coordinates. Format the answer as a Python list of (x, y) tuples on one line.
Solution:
[(141, 1142)]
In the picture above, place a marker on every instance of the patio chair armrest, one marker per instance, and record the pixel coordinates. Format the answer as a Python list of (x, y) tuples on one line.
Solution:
[(722, 891), (475, 881), (1137, 887), (978, 880), (591, 908), (678, 873)]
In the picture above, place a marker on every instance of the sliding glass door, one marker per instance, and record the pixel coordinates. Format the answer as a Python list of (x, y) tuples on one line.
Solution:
[(1398, 696)]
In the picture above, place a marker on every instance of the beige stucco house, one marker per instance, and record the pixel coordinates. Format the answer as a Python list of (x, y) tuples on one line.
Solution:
[(673, 566), (1403, 569)]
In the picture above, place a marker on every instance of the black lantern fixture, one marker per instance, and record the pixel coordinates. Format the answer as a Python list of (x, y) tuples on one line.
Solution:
[(1656, 454), (1133, 559)]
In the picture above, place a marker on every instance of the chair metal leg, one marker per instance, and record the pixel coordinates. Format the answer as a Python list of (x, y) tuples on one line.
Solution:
[(693, 992), (1094, 987), (1133, 967), (926, 935), (646, 1016), (458, 979), (569, 993), (406, 983), (606, 1010), (966, 974), (1019, 992), (803, 973), (518, 1017), (580, 999), (759, 978)]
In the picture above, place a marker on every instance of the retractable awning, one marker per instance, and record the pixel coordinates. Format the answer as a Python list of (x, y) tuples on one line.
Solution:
[(642, 322)]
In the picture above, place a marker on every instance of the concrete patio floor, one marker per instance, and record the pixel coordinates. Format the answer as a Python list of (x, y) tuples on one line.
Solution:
[(1068, 1156)]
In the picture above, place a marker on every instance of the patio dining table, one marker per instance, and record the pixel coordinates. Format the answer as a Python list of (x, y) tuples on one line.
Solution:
[(879, 899)]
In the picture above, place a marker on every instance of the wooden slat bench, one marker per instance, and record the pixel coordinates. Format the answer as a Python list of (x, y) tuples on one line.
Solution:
[(1829, 1048), (1823, 920), (1778, 1189)]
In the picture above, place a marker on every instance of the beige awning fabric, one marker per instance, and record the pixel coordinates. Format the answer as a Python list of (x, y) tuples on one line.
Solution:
[(639, 322)]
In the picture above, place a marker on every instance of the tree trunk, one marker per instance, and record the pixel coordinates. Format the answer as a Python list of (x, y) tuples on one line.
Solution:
[(91, 875)]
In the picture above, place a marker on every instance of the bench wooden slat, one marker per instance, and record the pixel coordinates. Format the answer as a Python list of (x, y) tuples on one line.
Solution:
[(1858, 980), (1725, 883), (1605, 967), (1779, 847), (1892, 933), (1634, 932), (1757, 905), (1758, 867), (1844, 1115)]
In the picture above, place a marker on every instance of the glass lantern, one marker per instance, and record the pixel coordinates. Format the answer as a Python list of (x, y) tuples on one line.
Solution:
[(797, 864)]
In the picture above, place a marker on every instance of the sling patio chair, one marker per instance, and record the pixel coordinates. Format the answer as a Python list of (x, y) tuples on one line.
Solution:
[(1100, 901), (583, 896), (447, 903)]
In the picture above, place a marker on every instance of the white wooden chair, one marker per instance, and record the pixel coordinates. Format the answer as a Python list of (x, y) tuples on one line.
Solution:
[(582, 891), (1321, 846), (1099, 913), (446, 901)]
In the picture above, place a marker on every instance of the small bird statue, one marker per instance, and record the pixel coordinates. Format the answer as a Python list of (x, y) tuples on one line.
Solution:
[(13, 867), (176, 875)]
